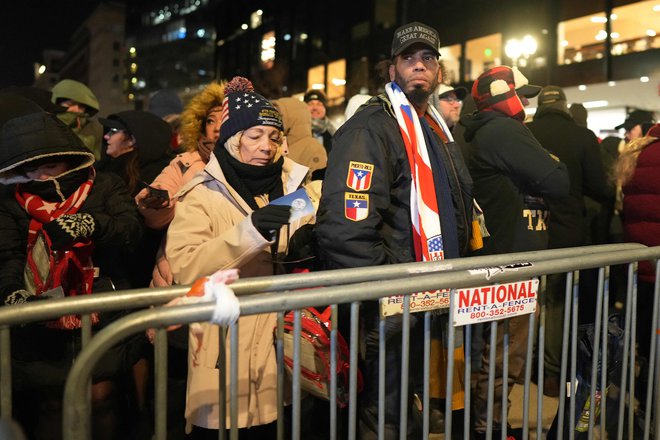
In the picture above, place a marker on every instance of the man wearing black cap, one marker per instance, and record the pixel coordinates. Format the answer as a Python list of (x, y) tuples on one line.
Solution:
[(636, 124), (322, 128), (577, 147), (394, 192)]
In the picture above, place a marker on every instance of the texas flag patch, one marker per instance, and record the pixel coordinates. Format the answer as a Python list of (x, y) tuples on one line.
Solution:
[(359, 176), (356, 206)]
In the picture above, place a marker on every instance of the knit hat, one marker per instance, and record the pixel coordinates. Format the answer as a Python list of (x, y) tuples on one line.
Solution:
[(164, 103), (412, 33), (636, 117), (243, 108), (315, 95), (496, 90), (77, 91), (27, 133)]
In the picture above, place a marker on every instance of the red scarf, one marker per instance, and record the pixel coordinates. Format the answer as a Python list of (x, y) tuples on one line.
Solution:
[(72, 269)]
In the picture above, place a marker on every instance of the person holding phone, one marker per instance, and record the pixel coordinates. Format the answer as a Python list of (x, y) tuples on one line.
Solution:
[(199, 131), (225, 221)]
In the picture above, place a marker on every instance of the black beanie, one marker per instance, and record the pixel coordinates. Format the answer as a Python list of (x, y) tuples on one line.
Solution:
[(242, 108)]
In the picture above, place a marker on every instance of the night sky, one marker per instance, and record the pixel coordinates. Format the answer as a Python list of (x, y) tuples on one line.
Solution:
[(30, 26)]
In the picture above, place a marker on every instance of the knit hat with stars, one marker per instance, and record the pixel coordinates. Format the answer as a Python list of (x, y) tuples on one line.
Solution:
[(242, 108)]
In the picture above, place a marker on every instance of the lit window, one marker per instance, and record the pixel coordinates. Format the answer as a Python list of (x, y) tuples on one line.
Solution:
[(316, 77), (336, 82), (451, 58), (635, 28), (268, 50), (482, 54)]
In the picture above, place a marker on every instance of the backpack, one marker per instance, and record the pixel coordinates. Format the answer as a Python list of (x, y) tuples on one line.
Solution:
[(315, 357)]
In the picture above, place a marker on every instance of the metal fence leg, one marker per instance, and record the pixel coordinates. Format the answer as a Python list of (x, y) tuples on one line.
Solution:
[(222, 378), (653, 361), (595, 352), (427, 374), (633, 338), (233, 380), (5, 373), (352, 388), (603, 350), (405, 363), (297, 332), (491, 379), (574, 326), (468, 376), (381, 377), (528, 377), (505, 378), (160, 367), (540, 360), (279, 352), (626, 348), (449, 398), (564, 353), (333, 376)]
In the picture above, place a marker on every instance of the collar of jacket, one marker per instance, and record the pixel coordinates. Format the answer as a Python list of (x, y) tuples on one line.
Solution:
[(293, 175)]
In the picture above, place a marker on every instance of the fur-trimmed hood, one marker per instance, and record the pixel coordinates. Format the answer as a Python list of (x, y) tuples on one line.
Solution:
[(193, 116)]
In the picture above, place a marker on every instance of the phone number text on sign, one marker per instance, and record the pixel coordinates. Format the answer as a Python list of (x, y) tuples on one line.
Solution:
[(497, 301), (419, 302)]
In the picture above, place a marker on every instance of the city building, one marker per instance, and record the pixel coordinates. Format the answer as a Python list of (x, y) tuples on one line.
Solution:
[(95, 56)]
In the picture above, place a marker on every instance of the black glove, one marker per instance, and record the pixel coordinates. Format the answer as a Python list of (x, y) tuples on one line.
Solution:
[(68, 228), (270, 218), (21, 296)]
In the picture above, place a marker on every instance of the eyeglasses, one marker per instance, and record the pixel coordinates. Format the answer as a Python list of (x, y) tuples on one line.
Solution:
[(451, 100)]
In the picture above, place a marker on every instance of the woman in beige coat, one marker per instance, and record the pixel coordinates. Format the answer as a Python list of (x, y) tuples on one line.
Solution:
[(224, 221)]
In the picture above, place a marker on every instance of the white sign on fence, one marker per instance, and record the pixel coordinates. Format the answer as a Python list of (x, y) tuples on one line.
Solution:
[(497, 301), (419, 302)]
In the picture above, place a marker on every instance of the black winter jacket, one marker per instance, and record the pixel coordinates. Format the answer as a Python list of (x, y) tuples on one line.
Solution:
[(512, 174), (372, 137), (578, 148), (118, 227)]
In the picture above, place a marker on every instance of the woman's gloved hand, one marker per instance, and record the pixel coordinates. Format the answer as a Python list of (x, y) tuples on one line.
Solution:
[(270, 218), (69, 228)]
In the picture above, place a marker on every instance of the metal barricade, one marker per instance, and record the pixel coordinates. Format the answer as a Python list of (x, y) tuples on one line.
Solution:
[(427, 276), (140, 298)]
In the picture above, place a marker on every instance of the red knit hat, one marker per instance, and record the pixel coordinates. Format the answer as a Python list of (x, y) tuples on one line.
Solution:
[(495, 90)]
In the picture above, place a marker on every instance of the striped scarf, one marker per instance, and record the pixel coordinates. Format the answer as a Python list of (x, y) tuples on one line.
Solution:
[(424, 213), (46, 269)]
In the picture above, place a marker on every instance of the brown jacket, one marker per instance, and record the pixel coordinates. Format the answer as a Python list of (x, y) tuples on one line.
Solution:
[(303, 148), (212, 230)]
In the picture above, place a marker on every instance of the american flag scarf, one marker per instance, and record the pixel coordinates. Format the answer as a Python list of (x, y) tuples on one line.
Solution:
[(424, 214), (45, 269)]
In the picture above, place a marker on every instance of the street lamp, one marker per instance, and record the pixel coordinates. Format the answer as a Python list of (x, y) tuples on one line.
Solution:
[(520, 50)]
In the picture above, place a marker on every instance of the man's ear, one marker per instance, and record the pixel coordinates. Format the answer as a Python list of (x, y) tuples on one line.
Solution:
[(392, 71)]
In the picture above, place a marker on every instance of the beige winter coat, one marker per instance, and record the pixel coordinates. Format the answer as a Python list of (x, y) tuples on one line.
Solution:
[(212, 230)]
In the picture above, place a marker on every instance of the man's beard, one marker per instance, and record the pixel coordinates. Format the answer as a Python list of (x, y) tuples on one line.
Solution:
[(418, 95)]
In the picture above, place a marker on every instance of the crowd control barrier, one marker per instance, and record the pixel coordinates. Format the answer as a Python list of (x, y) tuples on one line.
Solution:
[(352, 285)]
